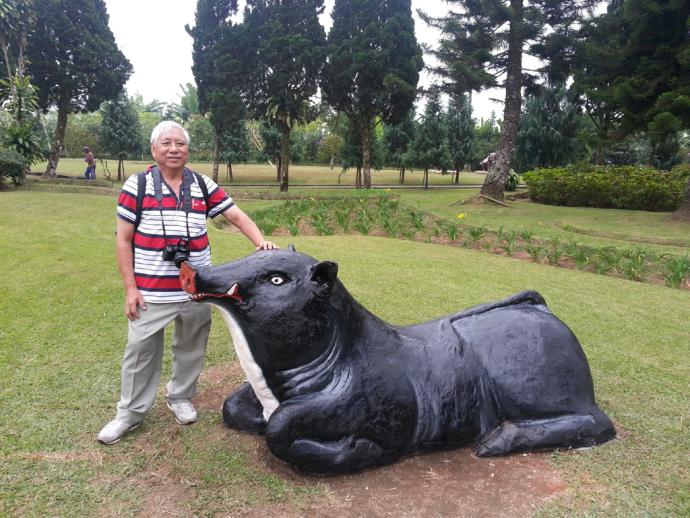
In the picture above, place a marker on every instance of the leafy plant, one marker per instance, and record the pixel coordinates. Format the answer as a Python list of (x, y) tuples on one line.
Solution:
[(677, 270), (509, 242), (13, 166), (635, 263), (526, 235), (536, 252), (606, 260), (554, 253), (475, 234), (363, 224)]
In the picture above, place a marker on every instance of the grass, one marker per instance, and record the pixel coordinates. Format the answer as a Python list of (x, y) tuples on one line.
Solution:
[(265, 174), (62, 335)]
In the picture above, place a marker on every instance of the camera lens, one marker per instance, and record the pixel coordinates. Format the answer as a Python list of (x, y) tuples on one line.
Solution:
[(181, 253)]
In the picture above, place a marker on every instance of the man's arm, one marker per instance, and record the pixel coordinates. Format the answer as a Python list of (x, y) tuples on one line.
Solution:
[(246, 225), (125, 263)]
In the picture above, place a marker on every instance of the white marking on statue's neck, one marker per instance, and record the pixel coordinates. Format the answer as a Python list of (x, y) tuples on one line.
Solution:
[(254, 374)]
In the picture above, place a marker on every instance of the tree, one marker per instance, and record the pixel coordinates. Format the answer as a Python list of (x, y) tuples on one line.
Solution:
[(483, 42), (189, 102), (17, 18), (17, 95), (373, 66), (74, 61), (202, 137), (460, 127), (235, 147), (634, 68), (120, 131), (289, 44), (487, 135), (220, 54), (397, 139), (430, 146), (83, 129), (549, 130)]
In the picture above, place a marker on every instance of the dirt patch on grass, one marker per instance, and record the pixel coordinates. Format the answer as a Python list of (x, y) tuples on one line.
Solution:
[(449, 483)]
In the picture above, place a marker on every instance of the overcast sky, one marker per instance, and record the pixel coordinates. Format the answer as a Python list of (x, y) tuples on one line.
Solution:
[(151, 34)]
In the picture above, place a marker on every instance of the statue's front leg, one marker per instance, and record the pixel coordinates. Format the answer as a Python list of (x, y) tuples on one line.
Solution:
[(242, 410), (291, 436)]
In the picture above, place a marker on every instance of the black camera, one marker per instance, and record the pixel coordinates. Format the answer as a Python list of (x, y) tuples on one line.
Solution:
[(178, 253)]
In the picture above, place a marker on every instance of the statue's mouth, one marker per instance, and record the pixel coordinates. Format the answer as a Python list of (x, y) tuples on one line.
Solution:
[(188, 281)]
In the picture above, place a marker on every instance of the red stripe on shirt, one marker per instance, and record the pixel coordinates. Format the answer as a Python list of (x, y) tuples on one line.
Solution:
[(196, 244), (158, 283), (127, 201)]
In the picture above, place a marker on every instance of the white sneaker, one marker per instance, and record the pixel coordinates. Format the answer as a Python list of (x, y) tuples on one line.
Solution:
[(184, 411), (114, 431)]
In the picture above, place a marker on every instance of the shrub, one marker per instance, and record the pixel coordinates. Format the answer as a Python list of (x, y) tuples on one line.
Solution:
[(13, 167), (616, 187)]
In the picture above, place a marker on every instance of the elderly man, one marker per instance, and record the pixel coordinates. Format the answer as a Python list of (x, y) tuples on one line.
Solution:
[(157, 229)]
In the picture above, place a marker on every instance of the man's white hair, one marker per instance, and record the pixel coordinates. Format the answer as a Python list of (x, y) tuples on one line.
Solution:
[(164, 126)]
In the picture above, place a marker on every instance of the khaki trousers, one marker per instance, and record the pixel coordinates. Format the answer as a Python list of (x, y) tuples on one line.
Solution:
[(143, 359)]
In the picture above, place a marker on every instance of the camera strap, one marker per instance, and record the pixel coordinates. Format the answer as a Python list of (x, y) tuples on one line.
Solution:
[(186, 195)]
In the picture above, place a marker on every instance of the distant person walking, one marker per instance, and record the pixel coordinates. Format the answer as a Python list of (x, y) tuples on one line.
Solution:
[(90, 171)]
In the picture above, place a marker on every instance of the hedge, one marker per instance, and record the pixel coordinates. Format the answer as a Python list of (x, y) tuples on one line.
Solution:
[(612, 187)]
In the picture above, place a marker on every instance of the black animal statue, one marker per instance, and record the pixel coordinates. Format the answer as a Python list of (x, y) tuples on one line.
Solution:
[(336, 389)]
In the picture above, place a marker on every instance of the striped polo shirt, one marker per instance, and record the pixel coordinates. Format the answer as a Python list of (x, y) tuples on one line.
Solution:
[(158, 280)]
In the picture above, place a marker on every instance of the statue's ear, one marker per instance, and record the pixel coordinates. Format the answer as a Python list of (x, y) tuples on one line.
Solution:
[(324, 273)]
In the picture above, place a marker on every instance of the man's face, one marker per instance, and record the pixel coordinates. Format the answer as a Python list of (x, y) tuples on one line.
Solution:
[(171, 150)]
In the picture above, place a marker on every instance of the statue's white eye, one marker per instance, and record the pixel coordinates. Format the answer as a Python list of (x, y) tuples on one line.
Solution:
[(277, 280)]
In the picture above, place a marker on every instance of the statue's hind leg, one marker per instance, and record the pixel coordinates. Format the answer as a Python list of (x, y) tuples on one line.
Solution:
[(242, 410), (567, 431)]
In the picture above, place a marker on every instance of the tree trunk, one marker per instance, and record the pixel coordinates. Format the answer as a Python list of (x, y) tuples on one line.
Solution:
[(358, 178), (495, 181), (402, 175), (58, 140), (366, 156), (278, 167), (456, 180), (683, 212), (216, 157), (229, 171), (120, 170), (332, 161), (284, 155), (426, 177)]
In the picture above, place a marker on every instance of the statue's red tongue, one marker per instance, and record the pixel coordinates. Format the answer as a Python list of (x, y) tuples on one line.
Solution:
[(187, 274)]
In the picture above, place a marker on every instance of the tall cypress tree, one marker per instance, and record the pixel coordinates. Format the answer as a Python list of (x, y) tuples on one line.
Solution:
[(218, 68), (460, 127), (430, 146), (120, 131), (549, 128), (483, 42), (74, 61), (373, 66), (397, 139), (289, 45)]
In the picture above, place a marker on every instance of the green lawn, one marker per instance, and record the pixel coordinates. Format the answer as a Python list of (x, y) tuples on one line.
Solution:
[(62, 335), (265, 174)]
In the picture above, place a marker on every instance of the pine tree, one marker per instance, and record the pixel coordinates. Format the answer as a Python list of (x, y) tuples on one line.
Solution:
[(120, 131), (397, 139), (373, 66), (483, 41), (460, 127), (220, 59), (74, 61), (634, 68), (549, 128), (430, 146), (289, 45)]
